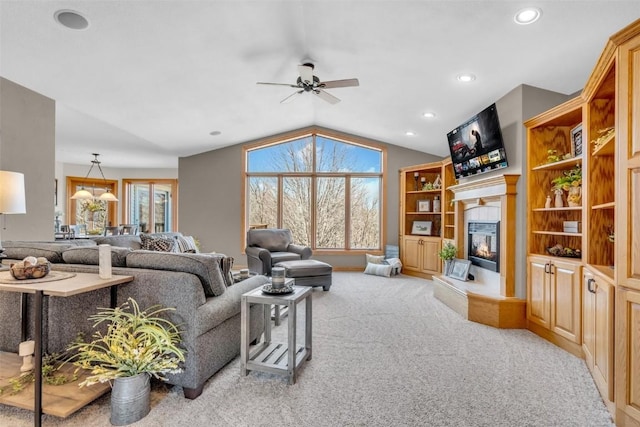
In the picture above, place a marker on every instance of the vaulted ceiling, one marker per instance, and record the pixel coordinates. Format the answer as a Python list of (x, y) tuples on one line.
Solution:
[(149, 81)]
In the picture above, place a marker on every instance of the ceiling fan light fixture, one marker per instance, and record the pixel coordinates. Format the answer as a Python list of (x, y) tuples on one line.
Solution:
[(71, 19), (527, 15)]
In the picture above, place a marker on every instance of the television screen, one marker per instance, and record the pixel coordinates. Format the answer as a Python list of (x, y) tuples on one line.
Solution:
[(476, 146)]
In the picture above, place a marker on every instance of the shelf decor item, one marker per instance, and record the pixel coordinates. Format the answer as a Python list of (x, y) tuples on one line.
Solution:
[(570, 181), (136, 345), (424, 205), (576, 141), (421, 227)]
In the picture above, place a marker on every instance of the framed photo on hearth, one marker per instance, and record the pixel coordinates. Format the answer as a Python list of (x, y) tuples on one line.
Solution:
[(460, 269), (421, 227)]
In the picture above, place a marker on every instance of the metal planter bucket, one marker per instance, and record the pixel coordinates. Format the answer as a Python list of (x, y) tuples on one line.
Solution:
[(130, 399)]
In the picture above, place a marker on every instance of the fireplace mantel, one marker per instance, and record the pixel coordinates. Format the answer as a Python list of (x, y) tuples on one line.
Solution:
[(491, 303), (487, 188)]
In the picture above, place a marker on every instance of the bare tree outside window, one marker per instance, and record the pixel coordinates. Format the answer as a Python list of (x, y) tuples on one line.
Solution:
[(317, 183)]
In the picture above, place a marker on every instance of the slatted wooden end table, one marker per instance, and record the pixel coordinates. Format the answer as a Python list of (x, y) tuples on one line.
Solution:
[(278, 358)]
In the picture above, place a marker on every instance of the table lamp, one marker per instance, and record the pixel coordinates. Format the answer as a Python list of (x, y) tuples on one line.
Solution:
[(12, 197)]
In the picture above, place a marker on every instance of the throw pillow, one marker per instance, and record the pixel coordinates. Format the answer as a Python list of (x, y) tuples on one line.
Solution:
[(378, 270), (375, 259), (186, 244), (157, 243), (226, 264)]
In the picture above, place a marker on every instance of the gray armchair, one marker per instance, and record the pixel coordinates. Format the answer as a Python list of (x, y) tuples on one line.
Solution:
[(269, 246)]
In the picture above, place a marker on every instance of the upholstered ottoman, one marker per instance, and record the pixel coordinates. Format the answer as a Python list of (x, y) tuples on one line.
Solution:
[(308, 272)]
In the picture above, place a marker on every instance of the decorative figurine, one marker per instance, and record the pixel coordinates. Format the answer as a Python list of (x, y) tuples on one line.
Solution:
[(547, 204), (26, 350)]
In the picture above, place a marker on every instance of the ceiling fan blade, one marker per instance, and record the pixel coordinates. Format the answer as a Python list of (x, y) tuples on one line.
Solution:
[(291, 97), (326, 96), (306, 73), (340, 83), (276, 84)]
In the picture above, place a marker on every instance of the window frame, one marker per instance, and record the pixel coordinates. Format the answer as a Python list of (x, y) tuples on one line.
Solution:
[(331, 134), (151, 182)]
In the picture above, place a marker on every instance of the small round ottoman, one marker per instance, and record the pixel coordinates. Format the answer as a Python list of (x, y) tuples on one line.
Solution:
[(308, 272)]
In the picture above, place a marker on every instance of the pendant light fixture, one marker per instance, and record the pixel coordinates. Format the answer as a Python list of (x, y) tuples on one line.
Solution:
[(84, 194)]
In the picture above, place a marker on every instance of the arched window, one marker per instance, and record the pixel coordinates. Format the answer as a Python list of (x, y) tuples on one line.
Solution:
[(327, 190)]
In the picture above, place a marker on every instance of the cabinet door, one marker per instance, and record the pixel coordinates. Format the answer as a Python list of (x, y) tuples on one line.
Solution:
[(411, 250), (430, 261), (566, 308), (603, 349), (538, 305), (628, 356), (588, 317)]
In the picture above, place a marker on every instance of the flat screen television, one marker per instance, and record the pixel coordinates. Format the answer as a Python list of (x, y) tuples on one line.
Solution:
[(476, 146)]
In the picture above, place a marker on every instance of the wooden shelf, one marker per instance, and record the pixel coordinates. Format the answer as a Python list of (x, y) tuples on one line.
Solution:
[(566, 208), (557, 233), (608, 148), (561, 165), (424, 213), (424, 192), (58, 400), (609, 205), (606, 271)]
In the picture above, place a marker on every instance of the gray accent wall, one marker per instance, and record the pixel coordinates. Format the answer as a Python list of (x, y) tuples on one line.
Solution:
[(210, 204), (27, 145)]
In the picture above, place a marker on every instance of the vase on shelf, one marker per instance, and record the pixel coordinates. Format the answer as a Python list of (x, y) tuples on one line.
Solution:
[(558, 202), (547, 203), (575, 196)]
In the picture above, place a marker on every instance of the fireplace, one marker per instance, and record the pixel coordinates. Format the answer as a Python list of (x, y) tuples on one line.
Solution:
[(484, 244)]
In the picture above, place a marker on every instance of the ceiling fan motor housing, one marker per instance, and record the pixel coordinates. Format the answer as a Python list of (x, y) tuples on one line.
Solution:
[(308, 87)]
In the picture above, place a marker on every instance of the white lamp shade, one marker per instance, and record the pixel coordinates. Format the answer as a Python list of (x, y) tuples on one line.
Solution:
[(12, 195), (108, 196), (82, 195)]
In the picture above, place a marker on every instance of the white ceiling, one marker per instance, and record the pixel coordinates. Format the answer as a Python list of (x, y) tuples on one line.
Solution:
[(147, 81)]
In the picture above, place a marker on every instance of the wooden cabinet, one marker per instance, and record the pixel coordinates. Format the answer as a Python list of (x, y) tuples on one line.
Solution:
[(426, 216), (627, 225), (553, 296), (598, 302)]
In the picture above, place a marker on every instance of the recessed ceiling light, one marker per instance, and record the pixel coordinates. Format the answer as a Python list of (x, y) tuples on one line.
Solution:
[(71, 19), (429, 115), (528, 15), (466, 78), (410, 133), (215, 133)]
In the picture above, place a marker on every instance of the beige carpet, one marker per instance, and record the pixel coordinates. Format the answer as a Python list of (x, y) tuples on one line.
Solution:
[(386, 353)]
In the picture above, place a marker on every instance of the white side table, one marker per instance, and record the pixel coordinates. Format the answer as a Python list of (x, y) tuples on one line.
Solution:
[(278, 358)]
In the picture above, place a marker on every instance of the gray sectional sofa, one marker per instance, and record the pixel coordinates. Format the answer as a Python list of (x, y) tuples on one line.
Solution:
[(207, 310)]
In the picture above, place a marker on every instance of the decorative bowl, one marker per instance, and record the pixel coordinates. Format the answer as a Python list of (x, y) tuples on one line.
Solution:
[(30, 272)]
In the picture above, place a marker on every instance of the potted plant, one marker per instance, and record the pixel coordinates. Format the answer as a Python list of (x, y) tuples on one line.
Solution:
[(570, 181), (136, 345), (447, 254)]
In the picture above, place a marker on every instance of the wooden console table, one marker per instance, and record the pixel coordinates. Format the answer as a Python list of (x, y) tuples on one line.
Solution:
[(78, 284)]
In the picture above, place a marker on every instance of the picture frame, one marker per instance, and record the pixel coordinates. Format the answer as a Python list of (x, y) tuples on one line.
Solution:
[(422, 227), (423, 205), (576, 141), (460, 269)]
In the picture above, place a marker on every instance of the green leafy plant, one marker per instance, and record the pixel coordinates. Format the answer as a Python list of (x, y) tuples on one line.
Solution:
[(135, 342), (448, 251), (569, 178)]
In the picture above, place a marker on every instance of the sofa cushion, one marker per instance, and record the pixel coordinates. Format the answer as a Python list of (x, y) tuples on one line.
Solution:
[(277, 257), (158, 243), (130, 241), (186, 244), (205, 266), (89, 255), (52, 251), (375, 259)]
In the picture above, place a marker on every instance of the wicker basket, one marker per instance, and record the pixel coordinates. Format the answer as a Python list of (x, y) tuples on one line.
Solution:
[(31, 272)]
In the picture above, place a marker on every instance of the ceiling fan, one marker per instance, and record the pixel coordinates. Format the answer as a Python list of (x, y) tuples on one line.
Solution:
[(307, 82)]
